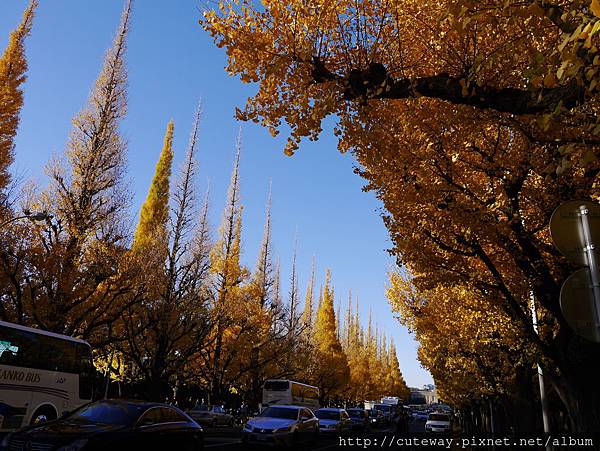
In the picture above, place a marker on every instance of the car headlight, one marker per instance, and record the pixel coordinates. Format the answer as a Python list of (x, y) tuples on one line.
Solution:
[(285, 429), (247, 427), (75, 446)]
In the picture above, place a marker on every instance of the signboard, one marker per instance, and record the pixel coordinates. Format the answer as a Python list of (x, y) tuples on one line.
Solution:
[(578, 305), (567, 232), (575, 230)]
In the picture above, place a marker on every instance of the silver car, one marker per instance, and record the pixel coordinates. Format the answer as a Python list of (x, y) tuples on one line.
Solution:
[(210, 416), (281, 426), (334, 420)]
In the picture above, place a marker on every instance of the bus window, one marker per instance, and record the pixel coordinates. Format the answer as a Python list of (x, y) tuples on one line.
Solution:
[(277, 385), (297, 391), (19, 348), (23, 348), (86, 371)]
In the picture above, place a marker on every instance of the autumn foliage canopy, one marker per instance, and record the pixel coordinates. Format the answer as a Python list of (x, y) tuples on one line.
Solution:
[(471, 121)]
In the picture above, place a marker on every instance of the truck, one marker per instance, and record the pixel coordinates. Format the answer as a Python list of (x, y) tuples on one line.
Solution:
[(390, 400), (369, 405)]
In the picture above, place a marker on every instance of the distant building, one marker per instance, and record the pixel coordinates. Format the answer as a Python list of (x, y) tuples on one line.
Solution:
[(425, 395)]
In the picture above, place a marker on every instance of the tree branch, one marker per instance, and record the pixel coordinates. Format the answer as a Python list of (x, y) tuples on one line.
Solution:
[(374, 82)]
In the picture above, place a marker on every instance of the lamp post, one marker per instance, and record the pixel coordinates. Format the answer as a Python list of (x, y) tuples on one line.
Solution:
[(38, 216)]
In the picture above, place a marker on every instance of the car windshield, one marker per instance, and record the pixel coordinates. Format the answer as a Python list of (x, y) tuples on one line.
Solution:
[(356, 413), (383, 408), (439, 417), (327, 415), (107, 413), (280, 412), (201, 408)]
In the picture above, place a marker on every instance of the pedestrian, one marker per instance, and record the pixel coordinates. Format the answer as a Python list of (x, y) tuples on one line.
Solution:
[(402, 423), (244, 412)]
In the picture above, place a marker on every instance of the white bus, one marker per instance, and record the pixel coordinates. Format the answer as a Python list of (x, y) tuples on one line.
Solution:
[(42, 375), (282, 391)]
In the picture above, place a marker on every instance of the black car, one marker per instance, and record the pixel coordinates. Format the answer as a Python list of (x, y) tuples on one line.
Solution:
[(113, 425), (376, 417)]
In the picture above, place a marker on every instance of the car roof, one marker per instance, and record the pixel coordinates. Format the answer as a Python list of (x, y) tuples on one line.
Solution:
[(288, 407)]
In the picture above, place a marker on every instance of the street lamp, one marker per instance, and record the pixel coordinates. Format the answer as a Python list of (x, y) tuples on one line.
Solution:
[(38, 216)]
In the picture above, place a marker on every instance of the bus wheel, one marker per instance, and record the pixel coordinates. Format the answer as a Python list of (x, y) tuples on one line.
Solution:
[(43, 414)]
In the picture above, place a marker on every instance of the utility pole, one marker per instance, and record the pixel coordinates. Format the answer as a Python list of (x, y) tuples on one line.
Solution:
[(590, 254), (543, 398)]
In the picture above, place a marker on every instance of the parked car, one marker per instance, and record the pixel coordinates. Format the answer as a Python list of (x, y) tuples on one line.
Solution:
[(114, 425), (281, 426), (359, 418), (211, 416), (333, 420), (439, 422), (376, 417)]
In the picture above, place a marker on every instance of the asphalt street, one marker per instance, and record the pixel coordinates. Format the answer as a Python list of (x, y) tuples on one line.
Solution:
[(228, 439)]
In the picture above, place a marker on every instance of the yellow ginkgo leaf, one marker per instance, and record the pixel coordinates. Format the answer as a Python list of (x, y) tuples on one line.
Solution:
[(595, 8)]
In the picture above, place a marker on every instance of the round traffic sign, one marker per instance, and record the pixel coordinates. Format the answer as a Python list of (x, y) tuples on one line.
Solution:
[(578, 305), (567, 233)]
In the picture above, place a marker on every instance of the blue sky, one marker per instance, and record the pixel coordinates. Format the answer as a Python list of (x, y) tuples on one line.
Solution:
[(173, 63)]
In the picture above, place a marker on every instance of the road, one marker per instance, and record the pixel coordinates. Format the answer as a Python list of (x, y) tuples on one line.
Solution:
[(228, 439)]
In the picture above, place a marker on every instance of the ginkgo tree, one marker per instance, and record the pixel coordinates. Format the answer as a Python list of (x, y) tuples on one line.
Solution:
[(472, 121), (169, 306), (472, 348), (13, 68)]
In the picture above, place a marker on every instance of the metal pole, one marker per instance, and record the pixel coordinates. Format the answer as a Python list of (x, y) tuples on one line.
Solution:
[(592, 265), (107, 374), (492, 425), (543, 399)]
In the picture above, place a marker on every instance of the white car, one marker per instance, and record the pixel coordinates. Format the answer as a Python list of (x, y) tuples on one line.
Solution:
[(438, 422), (281, 426)]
